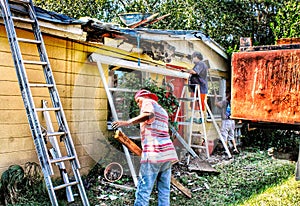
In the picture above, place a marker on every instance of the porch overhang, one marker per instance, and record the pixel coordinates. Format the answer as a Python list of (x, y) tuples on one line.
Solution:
[(134, 65)]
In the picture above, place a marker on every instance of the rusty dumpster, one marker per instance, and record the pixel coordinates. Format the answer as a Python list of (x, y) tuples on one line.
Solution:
[(266, 83)]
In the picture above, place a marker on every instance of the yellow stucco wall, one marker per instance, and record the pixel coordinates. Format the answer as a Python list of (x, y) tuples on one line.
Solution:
[(81, 92)]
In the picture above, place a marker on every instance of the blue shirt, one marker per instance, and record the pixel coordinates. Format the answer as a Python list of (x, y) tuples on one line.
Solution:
[(201, 69)]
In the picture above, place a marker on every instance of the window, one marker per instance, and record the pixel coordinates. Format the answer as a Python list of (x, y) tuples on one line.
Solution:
[(217, 86), (123, 84)]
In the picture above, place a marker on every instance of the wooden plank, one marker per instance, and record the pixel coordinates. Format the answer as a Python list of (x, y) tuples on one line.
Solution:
[(13, 117), (70, 31), (179, 186), (144, 20), (158, 19), (122, 138), (16, 144)]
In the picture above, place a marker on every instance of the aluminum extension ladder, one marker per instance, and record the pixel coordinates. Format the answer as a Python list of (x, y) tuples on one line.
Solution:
[(188, 102), (40, 136)]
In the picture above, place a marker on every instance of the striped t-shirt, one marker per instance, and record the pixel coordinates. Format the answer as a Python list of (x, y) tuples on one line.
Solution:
[(156, 143)]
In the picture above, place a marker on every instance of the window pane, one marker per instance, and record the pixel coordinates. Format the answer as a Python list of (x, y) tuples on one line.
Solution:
[(216, 86)]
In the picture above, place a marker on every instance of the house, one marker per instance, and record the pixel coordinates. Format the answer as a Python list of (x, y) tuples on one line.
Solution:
[(71, 45)]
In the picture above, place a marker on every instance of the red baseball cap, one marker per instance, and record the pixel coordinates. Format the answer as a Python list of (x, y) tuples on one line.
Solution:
[(145, 93)]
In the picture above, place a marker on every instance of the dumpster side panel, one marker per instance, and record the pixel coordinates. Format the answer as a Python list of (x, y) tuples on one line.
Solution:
[(265, 86)]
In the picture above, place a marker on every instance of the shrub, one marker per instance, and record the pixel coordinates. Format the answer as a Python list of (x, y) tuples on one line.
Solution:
[(285, 141)]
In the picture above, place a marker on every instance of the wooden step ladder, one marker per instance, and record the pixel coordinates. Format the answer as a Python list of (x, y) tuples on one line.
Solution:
[(187, 102), (59, 154)]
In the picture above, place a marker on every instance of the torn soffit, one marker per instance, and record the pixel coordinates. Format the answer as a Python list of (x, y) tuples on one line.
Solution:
[(103, 59), (97, 31)]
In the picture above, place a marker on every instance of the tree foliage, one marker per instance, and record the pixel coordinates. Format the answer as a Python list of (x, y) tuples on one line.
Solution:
[(224, 21), (287, 21), (104, 10)]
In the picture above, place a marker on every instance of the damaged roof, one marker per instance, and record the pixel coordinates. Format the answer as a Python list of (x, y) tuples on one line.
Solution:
[(96, 30)]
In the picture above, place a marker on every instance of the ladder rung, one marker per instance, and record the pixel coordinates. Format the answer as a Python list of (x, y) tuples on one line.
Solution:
[(197, 135), (62, 159), (65, 185), (41, 85), (34, 62), (47, 109), (55, 133), (31, 41), (190, 99), (198, 146), (22, 19), (184, 123), (181, 116)]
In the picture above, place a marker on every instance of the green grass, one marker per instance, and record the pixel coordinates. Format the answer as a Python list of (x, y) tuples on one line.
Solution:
[(252, 178), (287, 193), (250, 173)]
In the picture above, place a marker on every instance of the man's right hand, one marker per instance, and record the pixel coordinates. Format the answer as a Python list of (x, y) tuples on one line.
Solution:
[(117, 124)]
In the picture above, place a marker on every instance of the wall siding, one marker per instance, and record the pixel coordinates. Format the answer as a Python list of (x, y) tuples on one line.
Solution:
[(80, 89)]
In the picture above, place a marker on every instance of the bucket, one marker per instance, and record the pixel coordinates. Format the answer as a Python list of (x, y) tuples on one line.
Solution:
[(113, 172)]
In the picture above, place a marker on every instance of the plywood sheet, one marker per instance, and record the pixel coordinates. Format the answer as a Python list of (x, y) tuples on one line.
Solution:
[(265, 86)]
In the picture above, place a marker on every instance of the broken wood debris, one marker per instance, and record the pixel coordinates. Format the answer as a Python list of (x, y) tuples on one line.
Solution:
[(196, 163), (179, 186), (122, 138), (123, 187)]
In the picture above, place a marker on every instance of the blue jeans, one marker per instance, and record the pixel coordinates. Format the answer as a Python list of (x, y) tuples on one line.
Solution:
[(149, 174)]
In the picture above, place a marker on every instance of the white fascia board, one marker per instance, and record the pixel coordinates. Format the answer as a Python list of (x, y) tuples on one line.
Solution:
[(103, 59), (68, 31)]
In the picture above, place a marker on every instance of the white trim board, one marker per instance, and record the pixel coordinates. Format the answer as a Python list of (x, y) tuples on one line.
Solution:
[(94, 57)]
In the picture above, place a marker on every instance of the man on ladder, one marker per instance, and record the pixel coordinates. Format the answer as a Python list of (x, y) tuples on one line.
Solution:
[(198, 89), (198, 76)]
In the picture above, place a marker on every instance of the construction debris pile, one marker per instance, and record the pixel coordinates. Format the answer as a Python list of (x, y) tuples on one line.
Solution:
[(124, 188)]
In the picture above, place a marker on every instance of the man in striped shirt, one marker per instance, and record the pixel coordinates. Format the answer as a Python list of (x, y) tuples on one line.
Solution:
[(158, 150)]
